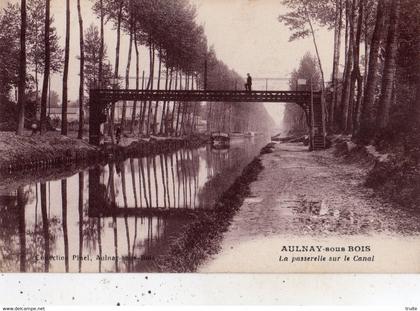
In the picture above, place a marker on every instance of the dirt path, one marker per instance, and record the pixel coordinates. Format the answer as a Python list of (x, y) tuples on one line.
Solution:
[(303, 198)]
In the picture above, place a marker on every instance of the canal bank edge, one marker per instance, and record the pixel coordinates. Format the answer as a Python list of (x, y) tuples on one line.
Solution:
[(203, 236), (24, 153)]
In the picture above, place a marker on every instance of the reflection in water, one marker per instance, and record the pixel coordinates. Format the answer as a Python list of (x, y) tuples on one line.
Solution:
[(114, 217)]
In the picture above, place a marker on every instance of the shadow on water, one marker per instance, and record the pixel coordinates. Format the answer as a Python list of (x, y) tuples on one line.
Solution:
[(117, 217)]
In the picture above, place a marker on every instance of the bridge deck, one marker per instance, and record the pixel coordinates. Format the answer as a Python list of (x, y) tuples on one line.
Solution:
[(299, 97)]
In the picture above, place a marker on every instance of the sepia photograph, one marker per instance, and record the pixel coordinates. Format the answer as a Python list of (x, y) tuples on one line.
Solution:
[(210, 136)]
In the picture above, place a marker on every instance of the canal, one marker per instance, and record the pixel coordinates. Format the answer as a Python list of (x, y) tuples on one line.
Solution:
[(114, 217)]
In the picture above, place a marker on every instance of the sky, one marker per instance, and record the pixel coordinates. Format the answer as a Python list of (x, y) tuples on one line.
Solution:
[(245, 34)]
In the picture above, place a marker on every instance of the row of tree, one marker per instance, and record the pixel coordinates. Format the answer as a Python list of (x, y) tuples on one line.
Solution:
[(177, 49), (377, 88)]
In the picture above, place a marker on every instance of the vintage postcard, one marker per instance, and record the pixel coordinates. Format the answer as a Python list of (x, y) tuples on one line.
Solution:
[(261, 136)]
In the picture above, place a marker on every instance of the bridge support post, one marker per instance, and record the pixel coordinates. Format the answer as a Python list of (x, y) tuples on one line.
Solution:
[(312, 120), (95, 113)]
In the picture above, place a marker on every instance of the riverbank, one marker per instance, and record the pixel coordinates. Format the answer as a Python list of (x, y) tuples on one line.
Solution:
[(393, 167), (202, 238), (23, 153), (314, 198), (20, 153)]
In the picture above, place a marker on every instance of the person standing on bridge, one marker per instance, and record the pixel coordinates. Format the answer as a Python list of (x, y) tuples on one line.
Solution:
[(248, 84)]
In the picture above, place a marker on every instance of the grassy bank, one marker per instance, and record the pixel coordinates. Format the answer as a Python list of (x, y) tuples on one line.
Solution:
[(21, 153), (393, 167), (202, 237), (398, 179), (28, 152)]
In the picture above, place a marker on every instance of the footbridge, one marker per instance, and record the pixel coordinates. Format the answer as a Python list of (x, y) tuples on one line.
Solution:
[(310, 101)]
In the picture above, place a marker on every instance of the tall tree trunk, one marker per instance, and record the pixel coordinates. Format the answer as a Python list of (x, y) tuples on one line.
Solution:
[(346, 93), (368, 115), (367, 12), (150, 85), (133, 112), (65, 71), (37, 108), (101, 47), (179, 106), (46, 68), (184, 109), (356, 71), (174, 106), (168, 103), (117, 67), (162, 119), (22, 70), (323, 107), (82, 73), (158, 87), (142, 109), (336, 59), (195, 109), (127, 76), (346, 34), (316, 49), (388, 76)]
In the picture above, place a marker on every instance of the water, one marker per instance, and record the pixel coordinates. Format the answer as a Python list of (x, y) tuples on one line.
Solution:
[(118, 217)]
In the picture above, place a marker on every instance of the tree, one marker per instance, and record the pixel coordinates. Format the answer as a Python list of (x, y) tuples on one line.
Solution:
[(82, 79), (368, 111), (388, 77), (36, 45), (9, 52), (22, 70), (101, 44), (46, 68), (295, 118), (301, 20), (92, 47), (338, 24), (127, 70), (356, 75), (346, 99), (66, 71), (117, 62), (302, 17)]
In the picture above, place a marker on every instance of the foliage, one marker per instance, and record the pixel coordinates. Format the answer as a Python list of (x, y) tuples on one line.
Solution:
[(92, 59), (9, 49), (36, 31), (321, 11), (294, 118)]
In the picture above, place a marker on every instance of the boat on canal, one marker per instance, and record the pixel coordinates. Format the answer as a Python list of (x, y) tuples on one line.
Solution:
[(220, 140), (249, 134)]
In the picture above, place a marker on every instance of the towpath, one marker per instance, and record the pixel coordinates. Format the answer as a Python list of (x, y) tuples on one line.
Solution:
[(314, 198)]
